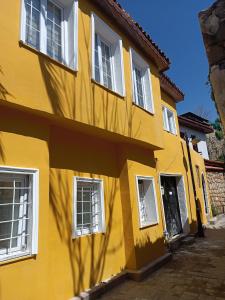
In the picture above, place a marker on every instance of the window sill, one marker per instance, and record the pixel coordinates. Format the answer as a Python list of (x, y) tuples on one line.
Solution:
[(145, 110), (17, 257), (108, 90), (174, 134), (28, 47), (75, 236), (142, 227)]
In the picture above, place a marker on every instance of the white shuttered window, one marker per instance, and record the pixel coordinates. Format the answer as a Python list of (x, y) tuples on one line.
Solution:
[(51, 27), (107, 57), (169, 123), (142, 86)]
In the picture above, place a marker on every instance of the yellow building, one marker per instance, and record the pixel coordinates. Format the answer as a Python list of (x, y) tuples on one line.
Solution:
[(92, 162)]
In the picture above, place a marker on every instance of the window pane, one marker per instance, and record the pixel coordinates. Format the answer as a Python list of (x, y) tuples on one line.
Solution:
[(97, 70), (106, 65), (139, 87), (14, 213), (33, 23), (88, 207), (54, 31)]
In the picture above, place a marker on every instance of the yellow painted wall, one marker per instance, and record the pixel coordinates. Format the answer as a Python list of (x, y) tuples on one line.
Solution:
[(47, 86), (25, 146), (43, 106)]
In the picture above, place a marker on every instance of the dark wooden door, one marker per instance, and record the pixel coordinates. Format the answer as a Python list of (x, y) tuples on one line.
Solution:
[(171, 205)]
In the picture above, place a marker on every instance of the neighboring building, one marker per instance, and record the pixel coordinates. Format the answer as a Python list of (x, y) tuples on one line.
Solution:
[(94, 177), (196, 129), (213, 31)]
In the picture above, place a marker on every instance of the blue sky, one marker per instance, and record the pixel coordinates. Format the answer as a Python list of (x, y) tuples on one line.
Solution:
[(174, 26)]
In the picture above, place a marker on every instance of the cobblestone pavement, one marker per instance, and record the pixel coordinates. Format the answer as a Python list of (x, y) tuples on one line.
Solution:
[(196, 272)]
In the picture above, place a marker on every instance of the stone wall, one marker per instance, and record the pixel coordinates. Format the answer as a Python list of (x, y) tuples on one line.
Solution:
[(216, 148), (212, 23), (216, 184)]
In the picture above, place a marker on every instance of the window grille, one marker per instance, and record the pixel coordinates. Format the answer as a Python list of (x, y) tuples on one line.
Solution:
[(148, 211), (88, 207), (15, 213)]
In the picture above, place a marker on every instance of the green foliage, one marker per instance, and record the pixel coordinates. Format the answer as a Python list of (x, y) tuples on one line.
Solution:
[(222, 158), (218, 129), (215, 210)]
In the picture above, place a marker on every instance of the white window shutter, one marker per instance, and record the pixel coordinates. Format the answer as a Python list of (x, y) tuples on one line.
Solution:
[(35, 213), (93, 44), (118, 67), (23, 22), (148, 92), (71, 35), (165, 121)]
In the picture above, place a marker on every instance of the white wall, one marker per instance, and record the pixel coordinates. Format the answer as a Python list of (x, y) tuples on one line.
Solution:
[(202, 145)]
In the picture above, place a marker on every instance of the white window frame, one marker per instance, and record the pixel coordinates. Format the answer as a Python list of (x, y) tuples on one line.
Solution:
[(137, 61), (34, 174), (76, 233), (166, 126), (67, 60), (149, 223), (113, 40)]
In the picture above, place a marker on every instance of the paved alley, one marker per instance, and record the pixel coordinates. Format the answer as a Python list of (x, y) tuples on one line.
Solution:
[(196, 272)]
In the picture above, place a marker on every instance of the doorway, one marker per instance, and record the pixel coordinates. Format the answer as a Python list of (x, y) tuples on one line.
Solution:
[(171, 205)]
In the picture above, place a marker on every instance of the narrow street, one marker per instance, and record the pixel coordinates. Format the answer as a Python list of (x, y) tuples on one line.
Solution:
[(196, 272)]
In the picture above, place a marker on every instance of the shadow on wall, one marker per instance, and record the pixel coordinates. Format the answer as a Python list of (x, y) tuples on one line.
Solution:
[(73, 95), (3, 91), (87, 255)]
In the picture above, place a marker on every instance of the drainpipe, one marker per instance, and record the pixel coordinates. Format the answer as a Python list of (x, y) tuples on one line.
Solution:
[(199, 221)]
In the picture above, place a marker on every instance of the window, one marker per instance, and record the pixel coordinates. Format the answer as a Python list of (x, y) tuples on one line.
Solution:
[(169, 120), (148, 212), (88, 206), (51, 27), (18, 213), (198, 175), (142, 87), (107, 56)]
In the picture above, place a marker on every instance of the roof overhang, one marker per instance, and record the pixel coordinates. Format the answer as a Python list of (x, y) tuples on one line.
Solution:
[(183, 121), (171, 89)]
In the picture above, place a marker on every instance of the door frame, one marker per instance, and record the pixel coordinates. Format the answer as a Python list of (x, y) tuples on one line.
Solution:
[(185, 230)]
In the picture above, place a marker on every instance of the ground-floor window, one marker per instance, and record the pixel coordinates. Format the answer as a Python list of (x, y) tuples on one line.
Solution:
[(148, 212), (18, 212), (88, 206)]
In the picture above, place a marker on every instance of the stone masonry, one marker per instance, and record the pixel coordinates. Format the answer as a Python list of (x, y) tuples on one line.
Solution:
[(216, 148), (212, 23), (216, 182)]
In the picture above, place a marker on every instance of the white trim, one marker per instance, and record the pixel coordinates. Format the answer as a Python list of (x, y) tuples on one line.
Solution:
[(165, 111), (185, 197), (105, 34), (66, 51), (76, 35), (149, 178), (102, 203), (35, 209), (143, 66)]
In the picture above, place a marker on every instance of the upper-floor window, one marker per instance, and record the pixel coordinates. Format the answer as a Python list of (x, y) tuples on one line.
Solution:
[(107, 56), (142, 87), (88, 206), (18, 212), (169, 123), (147, 202), (51, 27)]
